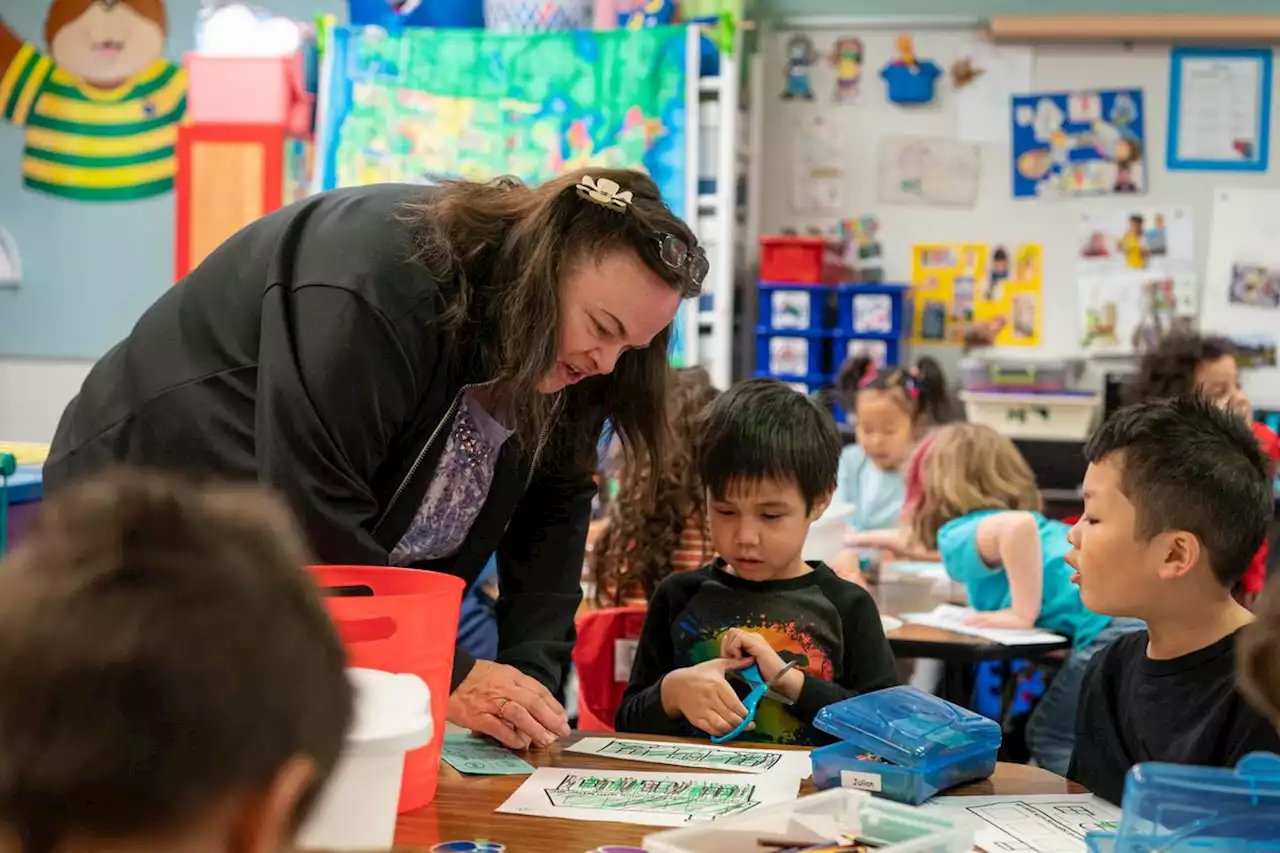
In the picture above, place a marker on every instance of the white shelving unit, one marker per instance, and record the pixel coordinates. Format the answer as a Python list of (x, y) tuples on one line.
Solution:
[(712, 140)]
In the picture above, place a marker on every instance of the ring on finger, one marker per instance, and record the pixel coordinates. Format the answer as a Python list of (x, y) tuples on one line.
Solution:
[(502, 707)]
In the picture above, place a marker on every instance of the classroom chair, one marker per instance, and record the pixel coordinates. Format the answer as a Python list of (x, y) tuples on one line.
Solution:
[(603, 654)]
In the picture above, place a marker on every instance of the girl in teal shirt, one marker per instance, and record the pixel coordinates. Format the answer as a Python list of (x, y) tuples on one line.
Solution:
[(980, 508)]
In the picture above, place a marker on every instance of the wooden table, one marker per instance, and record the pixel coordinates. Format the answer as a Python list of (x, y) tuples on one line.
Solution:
[(464, 806)]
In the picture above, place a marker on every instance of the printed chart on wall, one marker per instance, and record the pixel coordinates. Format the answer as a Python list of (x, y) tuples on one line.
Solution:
[(1040, 823), (1242, 281), (1136, 277), (957, 284), (1071, 144)]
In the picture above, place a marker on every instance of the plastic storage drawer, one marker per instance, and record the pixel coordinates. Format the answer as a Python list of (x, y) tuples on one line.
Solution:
[(1020, 373), (879, 310), (788, 307), (808, 260), (885, 351), (793, 356), (1060, 417)]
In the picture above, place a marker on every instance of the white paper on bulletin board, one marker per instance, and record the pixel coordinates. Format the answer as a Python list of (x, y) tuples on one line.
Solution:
[(1241, 296)]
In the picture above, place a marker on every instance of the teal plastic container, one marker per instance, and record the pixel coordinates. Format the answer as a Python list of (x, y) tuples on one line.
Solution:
[(1173, 808)]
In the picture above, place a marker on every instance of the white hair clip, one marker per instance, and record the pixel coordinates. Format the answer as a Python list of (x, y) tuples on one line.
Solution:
[(605, 192)]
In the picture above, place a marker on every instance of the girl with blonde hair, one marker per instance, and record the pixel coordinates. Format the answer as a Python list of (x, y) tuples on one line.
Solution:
[(978, 506)]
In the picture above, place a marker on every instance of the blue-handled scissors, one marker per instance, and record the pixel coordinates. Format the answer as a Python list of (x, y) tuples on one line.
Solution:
[(760, 689)]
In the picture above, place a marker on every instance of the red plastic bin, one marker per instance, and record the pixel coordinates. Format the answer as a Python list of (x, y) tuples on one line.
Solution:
[(801, 260), (401, 620)]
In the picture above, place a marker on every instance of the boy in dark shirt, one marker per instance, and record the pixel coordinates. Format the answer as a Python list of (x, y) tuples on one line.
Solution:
[(768, 459), (1177, 499), (172, 682)]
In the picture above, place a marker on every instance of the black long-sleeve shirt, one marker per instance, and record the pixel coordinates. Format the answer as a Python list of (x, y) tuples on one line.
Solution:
[(830, 627)]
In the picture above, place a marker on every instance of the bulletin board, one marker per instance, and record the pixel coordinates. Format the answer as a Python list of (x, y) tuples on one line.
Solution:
[(978, 205)]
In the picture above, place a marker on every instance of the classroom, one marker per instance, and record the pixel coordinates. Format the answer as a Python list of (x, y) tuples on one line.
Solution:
[(685, 425)]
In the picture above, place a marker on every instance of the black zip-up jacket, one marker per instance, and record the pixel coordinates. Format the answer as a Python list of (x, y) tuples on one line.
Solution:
[(304, 353)]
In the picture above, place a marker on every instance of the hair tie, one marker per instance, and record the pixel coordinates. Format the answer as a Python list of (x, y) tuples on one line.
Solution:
[(868, 375), (605, 192), (910, 385)]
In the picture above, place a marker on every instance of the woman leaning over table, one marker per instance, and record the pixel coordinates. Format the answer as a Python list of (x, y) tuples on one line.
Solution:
[(424, 373)]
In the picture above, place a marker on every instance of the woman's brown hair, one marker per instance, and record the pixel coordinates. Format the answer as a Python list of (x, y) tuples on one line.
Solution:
[(1258, 656), (646, 520), (967, 468), (502, 249)]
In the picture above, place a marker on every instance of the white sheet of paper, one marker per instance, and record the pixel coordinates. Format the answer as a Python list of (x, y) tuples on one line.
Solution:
[(648, 799), (1220, 107), (985, 105), (1035, 823), (949, 617), (817, 165), (793, 762), (923, 172)]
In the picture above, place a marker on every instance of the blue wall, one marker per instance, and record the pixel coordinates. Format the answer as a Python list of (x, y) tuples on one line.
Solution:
[(88, 270)]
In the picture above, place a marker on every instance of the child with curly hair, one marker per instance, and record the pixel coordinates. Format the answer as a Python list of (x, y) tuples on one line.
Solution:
[(1188, 364), (652, 529)]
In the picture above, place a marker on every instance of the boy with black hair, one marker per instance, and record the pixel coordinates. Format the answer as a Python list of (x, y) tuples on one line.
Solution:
[(172, 681), (1177, 499), (767, 457)]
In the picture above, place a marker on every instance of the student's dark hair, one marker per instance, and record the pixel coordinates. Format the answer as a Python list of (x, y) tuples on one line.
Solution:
[(921, 390), (763, 429), (1169, 370), (502, 248), (1258, 656), (162, 648), (1187, 464), (646, 521)]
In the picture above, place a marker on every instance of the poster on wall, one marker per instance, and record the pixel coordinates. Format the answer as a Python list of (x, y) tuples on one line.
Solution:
[(957, 284), (1085, 143), (1219, 109), (1136, 278), (428, 103), (921, 172), (99, 124)]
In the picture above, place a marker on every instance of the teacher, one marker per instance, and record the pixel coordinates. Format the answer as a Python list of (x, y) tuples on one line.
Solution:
[(424, 373)]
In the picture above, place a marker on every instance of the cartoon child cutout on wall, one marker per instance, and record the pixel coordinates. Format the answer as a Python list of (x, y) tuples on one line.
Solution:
[(101, 108), (847, 59), (800, 57)]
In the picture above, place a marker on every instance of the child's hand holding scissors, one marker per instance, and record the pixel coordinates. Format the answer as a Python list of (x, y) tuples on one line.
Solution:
[(703, 696), (738, 643)]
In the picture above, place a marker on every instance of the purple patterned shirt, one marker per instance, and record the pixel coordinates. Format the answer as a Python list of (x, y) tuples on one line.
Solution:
[(458, 489)]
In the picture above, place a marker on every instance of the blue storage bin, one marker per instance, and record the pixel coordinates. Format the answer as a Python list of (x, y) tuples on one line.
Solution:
[(793, 355), (885, 351), (903, 745), (873, 310), (786, 307), (1173, 808)]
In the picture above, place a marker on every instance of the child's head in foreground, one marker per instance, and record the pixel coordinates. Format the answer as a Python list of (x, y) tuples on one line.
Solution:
[(1258, 656), (967, 468), (893, 406), (1185, 365), (1177, 499), (767, 458), (171, 679)]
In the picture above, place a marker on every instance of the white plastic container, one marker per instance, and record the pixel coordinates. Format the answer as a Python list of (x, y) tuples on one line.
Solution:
[(826, 535), (358, 809), (824, 817), (1061, 417)]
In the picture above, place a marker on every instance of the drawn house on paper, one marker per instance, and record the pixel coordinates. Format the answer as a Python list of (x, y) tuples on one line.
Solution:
[(680, 754), (702, 799)]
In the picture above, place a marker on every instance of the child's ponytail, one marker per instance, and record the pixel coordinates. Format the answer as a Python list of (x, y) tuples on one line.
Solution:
[(933, 401), (856, 372)]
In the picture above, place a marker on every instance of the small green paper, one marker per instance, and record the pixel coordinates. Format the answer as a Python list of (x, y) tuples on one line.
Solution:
[(477, 757)]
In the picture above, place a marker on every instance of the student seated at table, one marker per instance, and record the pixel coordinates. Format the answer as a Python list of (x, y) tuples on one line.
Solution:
[(172, 681), (1177, 498), (767, 457), (980, 508), (1259, 656), (895, 408), (1185, 364)]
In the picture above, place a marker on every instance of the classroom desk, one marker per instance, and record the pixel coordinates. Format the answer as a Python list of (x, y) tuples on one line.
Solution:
[(463, 808)]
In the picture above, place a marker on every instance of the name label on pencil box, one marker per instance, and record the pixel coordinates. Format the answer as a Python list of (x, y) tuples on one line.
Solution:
[(860, 781)]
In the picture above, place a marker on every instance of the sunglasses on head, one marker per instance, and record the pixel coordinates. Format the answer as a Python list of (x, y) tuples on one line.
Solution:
[(676, 254)]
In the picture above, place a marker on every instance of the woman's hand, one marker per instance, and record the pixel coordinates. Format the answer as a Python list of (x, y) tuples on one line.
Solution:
[(745, 644), (702, 695), (502, 702), (1006, 619)]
